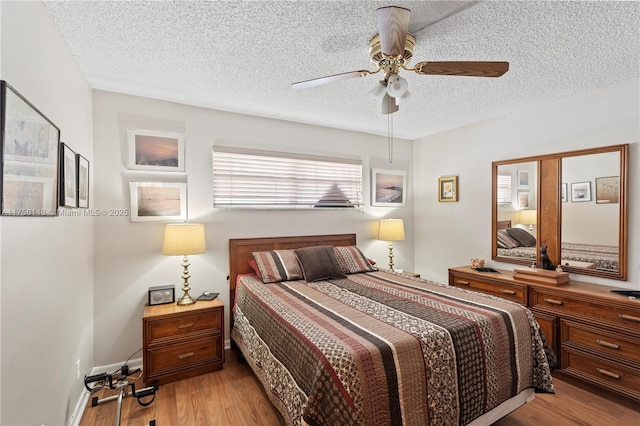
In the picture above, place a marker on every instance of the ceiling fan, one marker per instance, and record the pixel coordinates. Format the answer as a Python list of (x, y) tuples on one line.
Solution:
[(391, 50)]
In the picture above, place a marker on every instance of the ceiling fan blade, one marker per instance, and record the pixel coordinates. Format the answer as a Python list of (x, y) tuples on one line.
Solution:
[(329, 79), (393, 26), (471, 69)]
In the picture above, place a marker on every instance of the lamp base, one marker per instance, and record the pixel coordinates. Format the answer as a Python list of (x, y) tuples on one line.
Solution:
[(186, 300), (390, 256)]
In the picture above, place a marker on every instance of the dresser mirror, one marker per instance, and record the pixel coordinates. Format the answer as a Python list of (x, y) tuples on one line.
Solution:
[(573, 203)]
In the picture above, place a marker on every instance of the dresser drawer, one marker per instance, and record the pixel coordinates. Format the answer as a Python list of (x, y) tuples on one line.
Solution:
[(600, 341), (177, 357), (181, 326), (514, 292), (566, 305), (608, 374)]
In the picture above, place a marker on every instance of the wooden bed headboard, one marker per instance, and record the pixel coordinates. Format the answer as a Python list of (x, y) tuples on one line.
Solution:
[(240, 250), (504, 224)]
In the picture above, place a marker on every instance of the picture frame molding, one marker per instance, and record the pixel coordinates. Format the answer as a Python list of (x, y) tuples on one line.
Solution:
[(134, 190), (376, 199), (132, 163), (442, 197), (29, 185)]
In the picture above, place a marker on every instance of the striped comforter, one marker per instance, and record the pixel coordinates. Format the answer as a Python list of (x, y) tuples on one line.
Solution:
[(379, 348)]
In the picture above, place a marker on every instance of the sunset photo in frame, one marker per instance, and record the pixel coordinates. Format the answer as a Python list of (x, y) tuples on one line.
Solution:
[(158, 201), (155, 151), (388, 188), (448, 188)]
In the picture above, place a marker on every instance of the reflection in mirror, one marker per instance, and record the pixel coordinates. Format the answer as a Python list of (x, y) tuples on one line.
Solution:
[(517, 210), (590, 211)]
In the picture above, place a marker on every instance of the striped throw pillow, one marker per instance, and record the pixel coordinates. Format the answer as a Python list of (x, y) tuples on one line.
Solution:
[(278, 265), (352, 261)]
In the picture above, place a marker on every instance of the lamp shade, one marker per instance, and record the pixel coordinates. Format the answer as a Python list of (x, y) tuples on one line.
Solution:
[(183, 239), (391, 230), (529, 217)]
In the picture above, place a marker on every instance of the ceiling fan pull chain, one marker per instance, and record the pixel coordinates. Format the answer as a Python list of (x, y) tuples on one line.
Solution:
[(390, 133)]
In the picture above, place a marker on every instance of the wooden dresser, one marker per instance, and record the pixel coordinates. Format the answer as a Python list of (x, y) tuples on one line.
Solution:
[(182, 341), (595, 333)]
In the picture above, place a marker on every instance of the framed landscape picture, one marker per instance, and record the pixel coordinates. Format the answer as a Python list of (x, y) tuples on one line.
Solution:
[(608, 190), (30, 145), (155, 151), (68, 183), (158, 201), (580, 192), (82, 166), (388, 188)]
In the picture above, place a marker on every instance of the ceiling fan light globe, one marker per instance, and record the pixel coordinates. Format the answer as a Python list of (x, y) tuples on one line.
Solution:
[(396, 85), (389, 105), (378, 92), (402, 99)]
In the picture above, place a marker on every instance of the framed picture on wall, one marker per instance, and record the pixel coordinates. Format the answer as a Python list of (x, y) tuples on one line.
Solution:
[(30, 145), (580, 192), (68, 184), (158, 201), (564, 193), (608, 190), (523, 199), (155, 151), (82, 166), (523, 179), (388, 188), (448, 188)]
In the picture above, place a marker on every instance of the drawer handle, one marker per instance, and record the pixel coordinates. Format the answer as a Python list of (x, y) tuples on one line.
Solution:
[(187, 355), (553, 301), (607, 344), (507, 291), (608, 373), (628, 318), (463, 282), (187, 325)]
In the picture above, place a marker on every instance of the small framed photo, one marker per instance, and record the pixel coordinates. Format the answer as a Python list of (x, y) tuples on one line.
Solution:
[(608, 190), (68, 184), (523, 199), (523, 179), (155, 151), (158, 201), (388, 188), (564, 193), (29, 159), (448, 188), (82, 166), (580, 192)]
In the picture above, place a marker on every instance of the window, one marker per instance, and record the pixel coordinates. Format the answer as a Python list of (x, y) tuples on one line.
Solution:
[(504, 188), (267, 179)]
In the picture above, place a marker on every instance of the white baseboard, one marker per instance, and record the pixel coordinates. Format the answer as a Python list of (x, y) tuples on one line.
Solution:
[(76, 416)]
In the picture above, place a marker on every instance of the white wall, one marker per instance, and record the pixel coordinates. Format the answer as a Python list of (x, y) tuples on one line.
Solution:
[(46, 279), (449, 234), (128, 258)]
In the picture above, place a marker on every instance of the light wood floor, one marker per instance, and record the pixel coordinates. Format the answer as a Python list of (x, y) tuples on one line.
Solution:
[(233, 396)]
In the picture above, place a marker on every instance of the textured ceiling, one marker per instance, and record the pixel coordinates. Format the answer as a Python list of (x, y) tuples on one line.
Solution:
[(242, 56)]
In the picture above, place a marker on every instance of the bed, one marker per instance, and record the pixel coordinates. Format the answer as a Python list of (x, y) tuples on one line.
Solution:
[(593, 256), (375, 347)]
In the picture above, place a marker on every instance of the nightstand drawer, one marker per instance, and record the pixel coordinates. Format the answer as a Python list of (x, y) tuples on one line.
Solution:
[(172, 358), (178, 326), (601, 341), (514, 292), (608, 374)]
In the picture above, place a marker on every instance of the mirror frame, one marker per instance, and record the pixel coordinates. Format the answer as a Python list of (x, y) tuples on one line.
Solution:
[(549, 193)]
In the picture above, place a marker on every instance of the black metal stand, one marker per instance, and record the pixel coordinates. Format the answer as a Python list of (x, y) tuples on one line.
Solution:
[(106, 380)]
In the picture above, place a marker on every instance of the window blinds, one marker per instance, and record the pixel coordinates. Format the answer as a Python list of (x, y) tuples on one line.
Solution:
[(268, 179), (504, 188)]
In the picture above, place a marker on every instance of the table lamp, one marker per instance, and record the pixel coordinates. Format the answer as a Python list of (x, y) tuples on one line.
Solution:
[(182, 240), (391, 230), (529, 217)]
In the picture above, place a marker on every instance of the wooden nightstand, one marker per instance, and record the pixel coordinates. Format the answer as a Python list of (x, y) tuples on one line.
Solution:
[(182, 341)]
